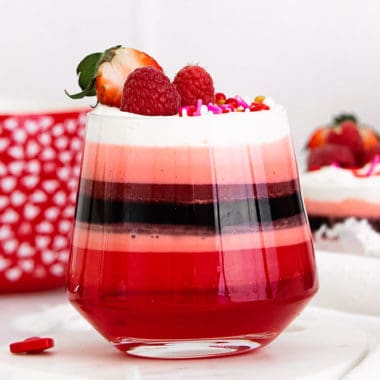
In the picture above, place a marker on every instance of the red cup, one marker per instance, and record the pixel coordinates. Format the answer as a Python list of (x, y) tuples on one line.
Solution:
[(40, 154)]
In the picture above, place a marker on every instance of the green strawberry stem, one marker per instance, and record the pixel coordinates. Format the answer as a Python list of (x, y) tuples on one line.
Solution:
[(343, 117), (87, 71)]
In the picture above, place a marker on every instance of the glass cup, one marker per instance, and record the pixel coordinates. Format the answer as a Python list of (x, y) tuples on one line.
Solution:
[(190, 237)]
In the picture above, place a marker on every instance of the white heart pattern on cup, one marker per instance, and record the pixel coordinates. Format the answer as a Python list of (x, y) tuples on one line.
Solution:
[(39, 171)]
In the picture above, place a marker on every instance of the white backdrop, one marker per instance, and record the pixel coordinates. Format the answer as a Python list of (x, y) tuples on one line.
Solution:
[(317, 58)]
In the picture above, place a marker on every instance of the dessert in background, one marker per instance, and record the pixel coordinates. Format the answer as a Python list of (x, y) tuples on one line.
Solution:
[(190, 236), (341, 186)]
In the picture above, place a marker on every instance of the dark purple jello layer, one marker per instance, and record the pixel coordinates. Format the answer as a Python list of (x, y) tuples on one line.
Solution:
[(215, 206)]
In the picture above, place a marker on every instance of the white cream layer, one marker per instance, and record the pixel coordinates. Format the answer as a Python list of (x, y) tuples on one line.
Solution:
[(108, 125), (334, 184)]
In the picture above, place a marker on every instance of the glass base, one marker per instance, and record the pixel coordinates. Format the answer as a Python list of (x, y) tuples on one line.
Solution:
[(186, 349)]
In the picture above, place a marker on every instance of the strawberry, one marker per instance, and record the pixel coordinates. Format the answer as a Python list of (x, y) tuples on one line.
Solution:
[(193, 82), (318, 138), (369, 137), (104, 74), (148, 91), (329, 154), (347, 134)]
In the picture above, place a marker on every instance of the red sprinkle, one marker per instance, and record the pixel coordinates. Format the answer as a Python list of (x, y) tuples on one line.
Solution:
[(258, 107), (232, 102), (220, 98), (222, 105), (191, 110), (33, 345)]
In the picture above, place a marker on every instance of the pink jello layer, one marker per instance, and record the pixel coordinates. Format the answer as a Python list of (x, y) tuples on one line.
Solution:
[(345, 208), (271, 162), (110, 241)]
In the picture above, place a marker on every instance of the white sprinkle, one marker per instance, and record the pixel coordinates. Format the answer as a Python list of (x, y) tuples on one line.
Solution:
[(10, 246), (16, 167), (32, 149), (38, 196), (17, 198), (10, 216), (5, 232), (42, 241), (19, 135), (25, 250), (31, 126), (57, 269), (4, 263), (10, 123), (3, 144), (16, 152), (13, 274), (26, 265), (7, 184)]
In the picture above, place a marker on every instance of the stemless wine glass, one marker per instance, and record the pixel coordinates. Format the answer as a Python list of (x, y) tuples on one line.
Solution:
[(190, 237)]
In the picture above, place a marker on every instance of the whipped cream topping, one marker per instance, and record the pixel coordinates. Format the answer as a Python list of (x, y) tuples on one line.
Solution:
[(335, 184), (109, 125)]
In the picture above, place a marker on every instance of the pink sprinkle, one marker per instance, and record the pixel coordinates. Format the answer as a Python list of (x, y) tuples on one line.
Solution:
[(372, 167), (198, 108), (371, 170), (335, 165), (214, 108), (241, 101), (226, 107)]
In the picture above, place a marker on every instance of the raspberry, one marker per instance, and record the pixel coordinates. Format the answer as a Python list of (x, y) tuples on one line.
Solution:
[(371, 152), (329, 154), (347, 134), (194, 82), (148, 91)]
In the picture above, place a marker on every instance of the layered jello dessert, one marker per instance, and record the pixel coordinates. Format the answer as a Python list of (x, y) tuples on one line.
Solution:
[(190, 237), (342, 186)]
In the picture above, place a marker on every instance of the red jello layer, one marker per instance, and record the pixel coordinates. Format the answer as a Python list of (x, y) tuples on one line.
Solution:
[(265, 163), (189, 295)]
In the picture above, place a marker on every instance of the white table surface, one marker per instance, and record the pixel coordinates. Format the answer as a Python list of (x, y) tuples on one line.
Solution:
[(322, 343)]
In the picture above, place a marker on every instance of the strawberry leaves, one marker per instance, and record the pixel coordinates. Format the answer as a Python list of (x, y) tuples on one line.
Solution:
[(87, 71)]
